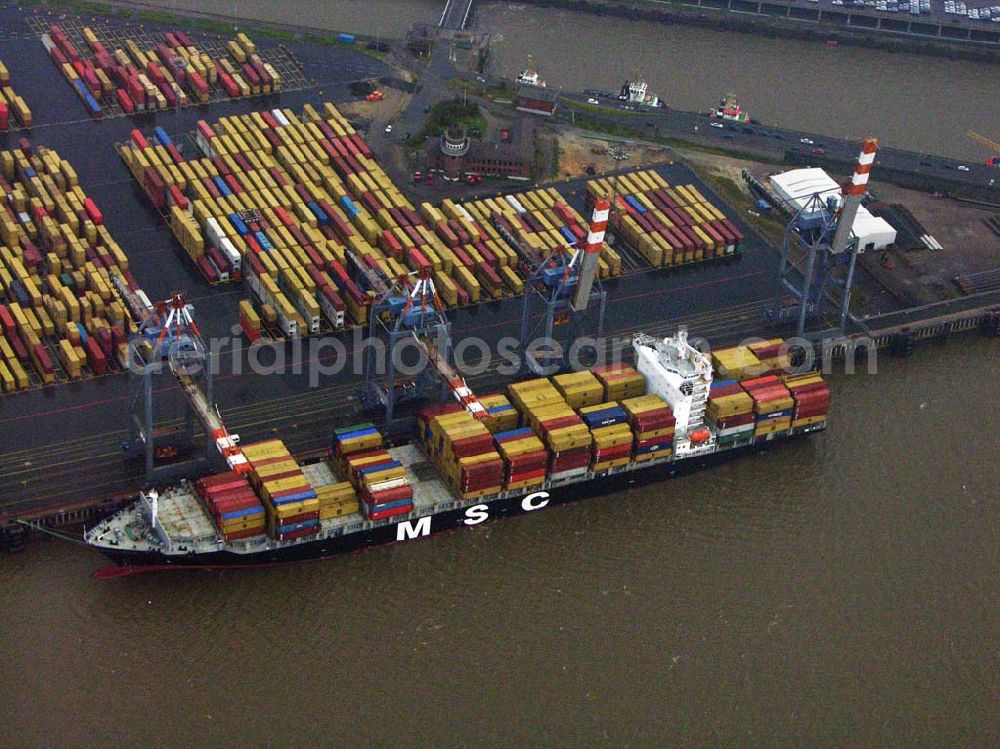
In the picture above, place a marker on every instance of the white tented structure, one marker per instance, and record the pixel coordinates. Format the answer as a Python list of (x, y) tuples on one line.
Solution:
[(796, 188)]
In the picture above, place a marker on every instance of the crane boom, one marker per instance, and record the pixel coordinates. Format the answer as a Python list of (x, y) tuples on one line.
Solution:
[(456, 383), (591, 254)]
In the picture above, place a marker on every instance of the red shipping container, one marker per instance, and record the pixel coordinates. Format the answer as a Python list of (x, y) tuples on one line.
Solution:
[(7, 320), (396, 494), (805, 413), (476, 445), (125, 101), (95, 357), (392, 512), (226, 478), (208, 271), (298, 534), (736, 421)]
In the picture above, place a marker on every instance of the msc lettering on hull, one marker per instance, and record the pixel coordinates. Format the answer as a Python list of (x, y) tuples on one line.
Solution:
[(474, 515)]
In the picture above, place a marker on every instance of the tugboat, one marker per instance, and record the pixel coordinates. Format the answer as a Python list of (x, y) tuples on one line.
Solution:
[(529, 76), (729, 109), (634, 92)]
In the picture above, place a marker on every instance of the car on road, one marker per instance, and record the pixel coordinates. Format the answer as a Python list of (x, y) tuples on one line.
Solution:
[(388, 128), (717, 124), (807, 141), (481, 78), (592, 100), (818, 151), (962, 168)]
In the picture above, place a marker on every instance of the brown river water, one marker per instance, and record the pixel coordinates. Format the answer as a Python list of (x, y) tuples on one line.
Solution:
[(838, 591)]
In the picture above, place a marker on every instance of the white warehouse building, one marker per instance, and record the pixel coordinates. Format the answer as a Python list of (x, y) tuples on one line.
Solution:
[(796, 188)]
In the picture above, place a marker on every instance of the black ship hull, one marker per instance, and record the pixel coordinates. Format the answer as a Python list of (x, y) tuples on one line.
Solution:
[(406, 529)]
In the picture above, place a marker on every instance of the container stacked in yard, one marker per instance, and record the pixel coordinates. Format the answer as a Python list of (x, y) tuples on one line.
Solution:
[(812, 399), (652, 424), (299, 209), (772, 404), (116, 72), (538, 222), (463, 450), (233, 505), (290, 502), (731, 411), (249, 321), (666, 225), (381, 482), (620, 381), (13, 109), (61, 275), (525, 458)]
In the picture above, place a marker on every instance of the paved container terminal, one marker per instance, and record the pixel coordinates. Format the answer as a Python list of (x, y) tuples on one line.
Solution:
[(86, 420)]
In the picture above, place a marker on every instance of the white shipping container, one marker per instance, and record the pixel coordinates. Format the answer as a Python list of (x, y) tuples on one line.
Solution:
[(288, 326), (213, 232), (280, 117), (227, 248), (513, 203)]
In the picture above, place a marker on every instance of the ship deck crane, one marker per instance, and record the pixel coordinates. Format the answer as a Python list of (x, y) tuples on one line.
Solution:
[(169, 336)]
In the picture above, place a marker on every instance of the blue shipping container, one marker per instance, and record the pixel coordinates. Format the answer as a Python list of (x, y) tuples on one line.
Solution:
[(301, 525), (513, 433), (570, 236), (222, 186), (635, 204), (380, 467), (83, 332), (238, 224), (345, 38), (355, 434), (318, 212), (246, 511), (161, 136), (263, 241), (605, 417), (297, 497)]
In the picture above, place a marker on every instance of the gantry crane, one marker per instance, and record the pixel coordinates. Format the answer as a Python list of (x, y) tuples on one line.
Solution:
[(408, 312), (563, 299), (822, 231), (169, 344)]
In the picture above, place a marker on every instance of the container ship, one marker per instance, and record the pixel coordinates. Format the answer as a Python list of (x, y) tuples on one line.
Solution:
[(543, 442)]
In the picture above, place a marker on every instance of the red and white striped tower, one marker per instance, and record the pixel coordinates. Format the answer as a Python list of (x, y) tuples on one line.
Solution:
[(852, 196), (591, 254)]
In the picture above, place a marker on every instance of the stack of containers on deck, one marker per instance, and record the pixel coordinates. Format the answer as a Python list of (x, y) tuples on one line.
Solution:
[(737, 363), (579, 389), (773, 404), (812, 399), (612, 435), (231, 502), (381, 480), (463, 450), (524, 456), (554, 420), (652, 425), (620, 381), (503, 415), (730, 411), (291, 503), (769, 354)]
